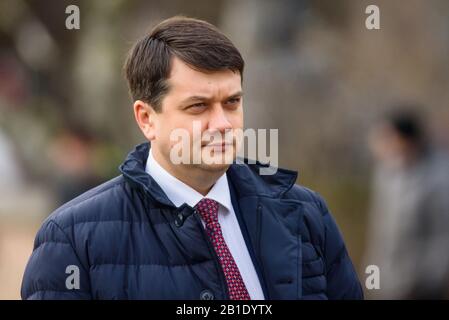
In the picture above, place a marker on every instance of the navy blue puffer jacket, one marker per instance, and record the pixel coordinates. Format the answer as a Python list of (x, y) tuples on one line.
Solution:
[(128, 241)]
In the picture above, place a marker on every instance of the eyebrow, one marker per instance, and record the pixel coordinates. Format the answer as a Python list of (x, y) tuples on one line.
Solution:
[(204, 98)]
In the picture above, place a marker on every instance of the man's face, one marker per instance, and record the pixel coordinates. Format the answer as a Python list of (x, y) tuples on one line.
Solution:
[(388, 146), (211, 101)]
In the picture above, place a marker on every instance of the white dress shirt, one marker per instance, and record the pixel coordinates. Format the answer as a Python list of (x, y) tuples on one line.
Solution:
[(179, 193)]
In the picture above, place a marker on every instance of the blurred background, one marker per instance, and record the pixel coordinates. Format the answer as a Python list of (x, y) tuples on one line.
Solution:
[(313, 71)]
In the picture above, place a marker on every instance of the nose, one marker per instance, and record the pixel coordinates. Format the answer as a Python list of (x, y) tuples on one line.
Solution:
[(218, 120)]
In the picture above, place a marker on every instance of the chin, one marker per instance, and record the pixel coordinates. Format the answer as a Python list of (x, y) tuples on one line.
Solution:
[(217, 160), (219, 165), (215, 167)]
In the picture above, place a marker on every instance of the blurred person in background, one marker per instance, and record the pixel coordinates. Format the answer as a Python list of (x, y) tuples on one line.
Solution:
[(15, 183), (11, 176), (409, 219), (71, 154)]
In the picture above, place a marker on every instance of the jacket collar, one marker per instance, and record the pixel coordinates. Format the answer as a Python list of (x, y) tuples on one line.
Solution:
[(244, 175)]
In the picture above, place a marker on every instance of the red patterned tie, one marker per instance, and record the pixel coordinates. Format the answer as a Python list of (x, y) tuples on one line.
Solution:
[(208, 209)]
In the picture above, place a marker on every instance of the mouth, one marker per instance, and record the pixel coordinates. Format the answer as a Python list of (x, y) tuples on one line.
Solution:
[(219, 146)]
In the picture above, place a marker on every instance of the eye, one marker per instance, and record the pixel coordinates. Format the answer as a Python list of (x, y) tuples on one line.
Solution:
[(197, 105), (233, 100)]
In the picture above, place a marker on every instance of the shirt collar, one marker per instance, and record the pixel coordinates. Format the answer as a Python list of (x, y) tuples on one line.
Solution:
[(179, 193)]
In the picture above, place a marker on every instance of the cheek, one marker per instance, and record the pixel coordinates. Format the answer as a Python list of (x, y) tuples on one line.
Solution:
[(237, 120), (164, 128), (171, 130)]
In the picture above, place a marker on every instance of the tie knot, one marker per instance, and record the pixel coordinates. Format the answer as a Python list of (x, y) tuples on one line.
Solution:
[(208, 209)]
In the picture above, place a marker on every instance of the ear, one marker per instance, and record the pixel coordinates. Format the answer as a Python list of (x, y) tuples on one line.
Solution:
[(145, 118)]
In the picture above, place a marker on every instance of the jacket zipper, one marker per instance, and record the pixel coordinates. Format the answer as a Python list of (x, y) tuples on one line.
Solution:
[(259, 209)]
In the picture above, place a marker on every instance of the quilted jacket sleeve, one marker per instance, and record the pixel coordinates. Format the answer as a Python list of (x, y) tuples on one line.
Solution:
[(342, 280), (54, 270)]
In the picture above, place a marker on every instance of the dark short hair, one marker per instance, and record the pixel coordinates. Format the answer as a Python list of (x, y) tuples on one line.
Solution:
[(408, 123), (197, 43)]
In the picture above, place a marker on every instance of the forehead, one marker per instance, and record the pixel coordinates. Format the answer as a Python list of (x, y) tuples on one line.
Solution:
[(185, 81)]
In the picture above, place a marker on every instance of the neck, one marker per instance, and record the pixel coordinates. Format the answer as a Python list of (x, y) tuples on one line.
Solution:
[(195, 177)]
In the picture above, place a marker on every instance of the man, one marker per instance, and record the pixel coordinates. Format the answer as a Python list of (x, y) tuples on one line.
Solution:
[(409, 218), (206, 230)]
